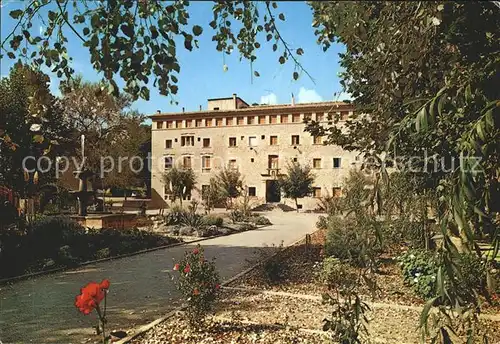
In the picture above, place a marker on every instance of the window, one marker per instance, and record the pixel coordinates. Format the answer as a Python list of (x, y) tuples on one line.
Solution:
[(336, 162), (284, 118), (189, 123), (262, 119), (170, 124), (317, 192), (317, 163), (317, 140), (187, 141), (178, 124), (198, 123), (218, 122), (187, 197), (295, 159), (337, 191), (206, 142), (320, 117), (273, 119), (232, 164), (295, 140), (216, 108), (186, 162), (208, 122), (241, 120), (169, 162), (295, 118), (206, 163), (168, 144), (272, 161), (273, 140), (159, 125), (252, 191), (252, 141), (250, 119), (232, 142), (229, 121)]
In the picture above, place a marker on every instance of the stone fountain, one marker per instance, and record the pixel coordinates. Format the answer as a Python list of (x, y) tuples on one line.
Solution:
[(98, 220)]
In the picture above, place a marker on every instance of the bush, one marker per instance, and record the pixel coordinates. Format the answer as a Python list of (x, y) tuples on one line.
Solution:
[(353, 239), (236, 216), (199, 283), (246, 227), (322, 222), (260, 220), (175, 215), (275, 267), (212, 220), (186, 231), (419, 268)]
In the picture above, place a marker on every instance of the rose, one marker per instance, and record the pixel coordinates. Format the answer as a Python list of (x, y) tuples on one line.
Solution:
[(196, 251), (187, 269), (176, 267), (91, 295)]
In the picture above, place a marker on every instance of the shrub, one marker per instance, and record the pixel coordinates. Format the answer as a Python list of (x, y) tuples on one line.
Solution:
[(322, 222), (260, 220), (246, 227), (236, 216), (353, 239), (199, 283), (186, 231), (175, 215), (473, 272), (193, 220), (212, 220), (419, 268)]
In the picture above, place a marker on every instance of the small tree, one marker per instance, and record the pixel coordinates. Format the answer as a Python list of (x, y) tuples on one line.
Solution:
[(230, 184), (297, 183), (212, 195), (180, 182)]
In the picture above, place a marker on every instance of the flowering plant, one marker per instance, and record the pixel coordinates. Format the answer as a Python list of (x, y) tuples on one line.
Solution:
[(90, 298), (198, 282)]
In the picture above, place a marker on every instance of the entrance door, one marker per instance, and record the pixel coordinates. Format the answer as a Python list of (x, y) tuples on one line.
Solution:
[(273, 194)]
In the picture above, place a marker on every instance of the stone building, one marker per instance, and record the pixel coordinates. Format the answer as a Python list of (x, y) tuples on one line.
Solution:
[(257, 140)]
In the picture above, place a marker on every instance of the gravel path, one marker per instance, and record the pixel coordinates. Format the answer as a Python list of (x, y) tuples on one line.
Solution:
[(41, 310)]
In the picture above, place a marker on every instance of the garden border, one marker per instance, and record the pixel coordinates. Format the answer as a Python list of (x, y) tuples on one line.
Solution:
[(90, 262), (144, 328)]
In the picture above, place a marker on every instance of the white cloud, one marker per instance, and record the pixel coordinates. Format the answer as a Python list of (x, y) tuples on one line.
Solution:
[(339, 96), (269, 99), (308, 96)]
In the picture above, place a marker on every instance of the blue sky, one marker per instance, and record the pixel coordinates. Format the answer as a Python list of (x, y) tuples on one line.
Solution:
[(202, 75)]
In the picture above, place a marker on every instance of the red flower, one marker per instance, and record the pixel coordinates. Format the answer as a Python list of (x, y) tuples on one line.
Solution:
[(196, 251), (217, 286), (90, 296), (176, 267), (187, 269), (196, 292)]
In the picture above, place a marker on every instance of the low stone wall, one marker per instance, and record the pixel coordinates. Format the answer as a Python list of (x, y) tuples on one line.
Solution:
[(100, 221)]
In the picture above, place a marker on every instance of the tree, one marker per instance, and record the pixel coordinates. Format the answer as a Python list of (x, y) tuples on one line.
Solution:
[(212, 195), (297, 183), (137, 40), (31, 125), (180, 182), (230, 185)]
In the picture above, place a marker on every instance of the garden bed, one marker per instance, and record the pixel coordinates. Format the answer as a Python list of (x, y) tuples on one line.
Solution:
[(59, 242), (252, 310)]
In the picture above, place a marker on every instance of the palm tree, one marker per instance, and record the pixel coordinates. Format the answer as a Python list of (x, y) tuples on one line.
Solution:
[(230, 184)]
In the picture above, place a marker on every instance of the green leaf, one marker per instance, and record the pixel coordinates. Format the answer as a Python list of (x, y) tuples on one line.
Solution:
[(426, 311), (468, 93), (11, 55), (197, 30), (300, 51), (127, 30), (86, 31), (281, 16), (282, 60), (256, 73), (16, 14), (480, 130), (295, 75)]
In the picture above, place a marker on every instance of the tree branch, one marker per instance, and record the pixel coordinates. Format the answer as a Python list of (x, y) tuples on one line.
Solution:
[(61, 11)]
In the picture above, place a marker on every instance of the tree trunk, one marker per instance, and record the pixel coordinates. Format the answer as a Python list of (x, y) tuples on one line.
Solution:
[(297, 204)]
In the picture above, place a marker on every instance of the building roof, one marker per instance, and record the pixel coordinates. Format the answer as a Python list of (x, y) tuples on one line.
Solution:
[(264, 109)]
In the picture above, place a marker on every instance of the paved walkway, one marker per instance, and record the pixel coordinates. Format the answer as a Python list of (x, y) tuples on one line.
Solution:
[(42, 311)]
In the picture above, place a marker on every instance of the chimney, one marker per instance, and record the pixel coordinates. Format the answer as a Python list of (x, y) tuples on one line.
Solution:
[(183, 109), (200, 107), (234, 100), (158, 112), (293, 100)]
